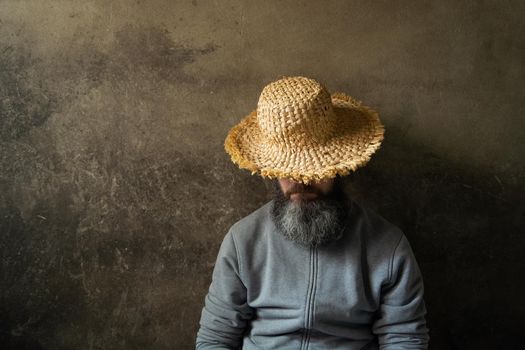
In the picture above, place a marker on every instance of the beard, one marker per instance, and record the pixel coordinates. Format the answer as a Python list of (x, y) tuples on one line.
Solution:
[(312, 222)]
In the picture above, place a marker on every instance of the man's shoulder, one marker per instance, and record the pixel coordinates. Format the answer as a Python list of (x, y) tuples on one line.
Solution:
[(253, 223), (377, 231)]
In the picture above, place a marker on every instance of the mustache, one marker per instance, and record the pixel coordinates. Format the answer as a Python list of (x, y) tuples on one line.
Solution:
[(302, 188)]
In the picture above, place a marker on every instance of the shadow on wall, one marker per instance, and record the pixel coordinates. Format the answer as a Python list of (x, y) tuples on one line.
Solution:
[(465, 227)]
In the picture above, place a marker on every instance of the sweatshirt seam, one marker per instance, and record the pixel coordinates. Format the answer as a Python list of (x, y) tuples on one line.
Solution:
[(391, 267), (312, 315), (316, 273), (239, 262), (304, 338)]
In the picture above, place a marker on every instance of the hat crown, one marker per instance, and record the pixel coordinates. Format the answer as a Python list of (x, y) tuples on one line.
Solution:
[(295, 110)]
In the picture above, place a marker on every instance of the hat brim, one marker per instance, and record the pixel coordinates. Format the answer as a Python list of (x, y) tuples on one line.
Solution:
[(359, 134)]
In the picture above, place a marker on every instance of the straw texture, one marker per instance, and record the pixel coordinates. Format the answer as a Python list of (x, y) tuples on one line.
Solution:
[(300, 131)]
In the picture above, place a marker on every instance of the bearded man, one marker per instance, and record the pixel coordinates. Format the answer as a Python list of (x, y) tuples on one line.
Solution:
[(311, 269)]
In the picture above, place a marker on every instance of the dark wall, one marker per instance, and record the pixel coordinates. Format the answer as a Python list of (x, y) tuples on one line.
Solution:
[(115, 190)]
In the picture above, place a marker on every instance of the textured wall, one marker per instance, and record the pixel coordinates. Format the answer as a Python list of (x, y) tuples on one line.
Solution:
[(115, 191)]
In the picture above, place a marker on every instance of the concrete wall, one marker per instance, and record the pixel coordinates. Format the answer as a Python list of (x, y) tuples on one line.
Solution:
[(115, 190)]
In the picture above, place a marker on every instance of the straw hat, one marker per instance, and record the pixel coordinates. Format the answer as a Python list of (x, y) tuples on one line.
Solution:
[(301, 132)]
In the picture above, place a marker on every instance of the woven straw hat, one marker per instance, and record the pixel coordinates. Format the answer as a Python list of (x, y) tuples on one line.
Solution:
[(301, 132)]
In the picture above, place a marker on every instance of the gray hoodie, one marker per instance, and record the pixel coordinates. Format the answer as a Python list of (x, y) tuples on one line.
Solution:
[(363, 291)]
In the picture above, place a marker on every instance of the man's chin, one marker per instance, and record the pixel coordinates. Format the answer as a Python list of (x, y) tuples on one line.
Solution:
[(307, 220)]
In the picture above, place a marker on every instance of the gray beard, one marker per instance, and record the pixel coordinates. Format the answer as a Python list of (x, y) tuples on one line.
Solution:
[(313, 222)]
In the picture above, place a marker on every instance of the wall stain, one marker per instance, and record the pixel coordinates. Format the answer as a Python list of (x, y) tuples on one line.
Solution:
[(25, 102), (148, 52), (153, 48)]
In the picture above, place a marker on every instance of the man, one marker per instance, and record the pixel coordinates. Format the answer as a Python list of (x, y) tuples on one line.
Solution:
[(311, 269)]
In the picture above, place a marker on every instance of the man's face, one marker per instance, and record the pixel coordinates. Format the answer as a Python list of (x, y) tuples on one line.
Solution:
[(310, 214), (297, 191)]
